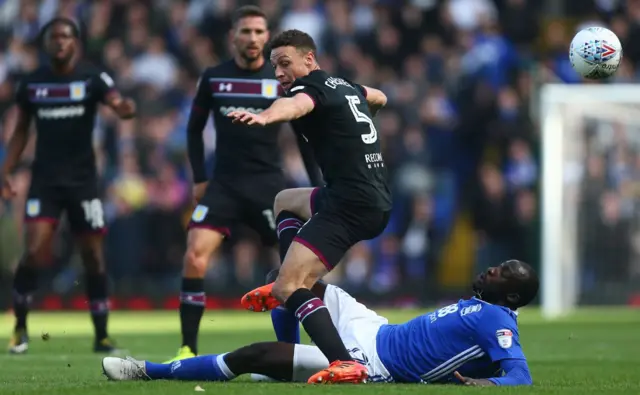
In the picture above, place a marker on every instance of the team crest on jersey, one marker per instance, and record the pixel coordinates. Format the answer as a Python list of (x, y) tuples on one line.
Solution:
[(505, 338), (78, 90), (270, 89), (199, 213), (33, 207)]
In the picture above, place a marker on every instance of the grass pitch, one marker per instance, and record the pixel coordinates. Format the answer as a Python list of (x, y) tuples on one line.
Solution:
[(591, 352)]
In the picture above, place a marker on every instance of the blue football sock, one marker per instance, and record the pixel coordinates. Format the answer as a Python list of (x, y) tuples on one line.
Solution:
[(286, 325), (203, 368)]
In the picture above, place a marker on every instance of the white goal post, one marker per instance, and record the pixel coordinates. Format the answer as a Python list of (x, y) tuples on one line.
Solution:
[(574, 119)]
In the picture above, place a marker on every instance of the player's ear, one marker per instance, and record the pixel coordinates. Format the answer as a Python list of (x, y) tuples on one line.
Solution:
[(309, 59)]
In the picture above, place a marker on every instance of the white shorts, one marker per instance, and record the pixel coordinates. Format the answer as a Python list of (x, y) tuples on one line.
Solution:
[(357, 326)]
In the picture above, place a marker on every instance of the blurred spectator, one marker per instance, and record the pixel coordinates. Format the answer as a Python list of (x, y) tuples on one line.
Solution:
[(457, 136)]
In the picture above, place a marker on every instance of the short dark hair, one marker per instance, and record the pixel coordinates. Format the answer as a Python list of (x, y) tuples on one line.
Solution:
[(294, 38), (247, 11), (75, 30)]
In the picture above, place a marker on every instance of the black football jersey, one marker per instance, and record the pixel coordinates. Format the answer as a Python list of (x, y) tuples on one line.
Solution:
[(64, 109), (345, 142), (240, 149)]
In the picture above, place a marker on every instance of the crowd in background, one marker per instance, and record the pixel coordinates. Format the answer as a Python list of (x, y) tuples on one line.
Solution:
[(458, 138)]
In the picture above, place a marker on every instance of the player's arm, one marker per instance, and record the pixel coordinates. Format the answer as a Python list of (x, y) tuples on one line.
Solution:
[(497, 335), (17, 142), (198, 117), (289, 108), (376, 99), (282, 110), (125, 108), (515, 372), (310, 164)]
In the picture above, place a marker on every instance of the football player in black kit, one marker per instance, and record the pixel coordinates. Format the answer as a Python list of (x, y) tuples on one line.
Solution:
[(247, 175), (62, 98), (334, 115)]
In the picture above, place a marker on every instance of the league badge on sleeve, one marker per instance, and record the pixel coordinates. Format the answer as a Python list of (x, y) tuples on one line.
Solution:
[(505, 338)]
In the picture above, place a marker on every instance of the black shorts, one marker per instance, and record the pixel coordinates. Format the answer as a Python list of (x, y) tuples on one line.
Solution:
[(81, 204), (334, 227), (247, 201)]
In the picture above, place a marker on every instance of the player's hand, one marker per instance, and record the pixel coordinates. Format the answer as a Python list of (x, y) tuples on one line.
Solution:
[(127, 108), (247, 118), (7, 189), (472, 382), (198, 191)]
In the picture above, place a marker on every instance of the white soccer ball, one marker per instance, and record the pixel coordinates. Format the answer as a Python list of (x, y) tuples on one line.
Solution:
[(595, 53)]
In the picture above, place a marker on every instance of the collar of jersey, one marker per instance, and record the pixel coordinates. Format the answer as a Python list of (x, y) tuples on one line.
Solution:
[(514, 312)]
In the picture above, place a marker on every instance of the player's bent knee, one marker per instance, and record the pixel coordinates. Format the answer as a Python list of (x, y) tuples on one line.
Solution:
[(296, 200)]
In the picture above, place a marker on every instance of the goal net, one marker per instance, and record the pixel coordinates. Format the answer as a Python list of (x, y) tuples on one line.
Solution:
[(590, 196)]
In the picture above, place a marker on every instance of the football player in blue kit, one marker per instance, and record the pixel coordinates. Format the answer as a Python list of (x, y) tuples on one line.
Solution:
[(472, 342)]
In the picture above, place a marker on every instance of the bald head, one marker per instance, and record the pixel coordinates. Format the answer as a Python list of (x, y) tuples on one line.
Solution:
[(511, 284)]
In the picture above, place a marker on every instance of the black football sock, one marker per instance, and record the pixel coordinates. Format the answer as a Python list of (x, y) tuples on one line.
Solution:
[(192, 302), (24, 284), (98, 294), (315, 318), (285, 324), (288, 226)]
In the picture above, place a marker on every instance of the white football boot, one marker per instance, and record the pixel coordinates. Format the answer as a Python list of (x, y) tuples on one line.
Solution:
[(127, 369)]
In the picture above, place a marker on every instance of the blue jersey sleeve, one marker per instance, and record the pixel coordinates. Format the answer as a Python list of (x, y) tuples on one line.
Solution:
[(516, 372), (497, 335)]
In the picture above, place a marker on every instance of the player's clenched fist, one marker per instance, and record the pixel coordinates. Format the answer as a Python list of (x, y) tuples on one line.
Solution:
[(247, 118), (7, 189), (127, 108)]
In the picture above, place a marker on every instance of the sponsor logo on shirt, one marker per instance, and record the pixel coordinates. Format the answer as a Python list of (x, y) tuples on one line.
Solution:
[(226, 110), (61, 112)]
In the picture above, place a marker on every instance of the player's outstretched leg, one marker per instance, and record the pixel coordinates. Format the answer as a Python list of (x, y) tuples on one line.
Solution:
[(201, 244), (299, 273), (284, 322), (279, 361), (97, 289), (39, 239)]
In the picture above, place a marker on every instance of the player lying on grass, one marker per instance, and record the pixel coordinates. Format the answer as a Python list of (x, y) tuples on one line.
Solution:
[(473, 342)]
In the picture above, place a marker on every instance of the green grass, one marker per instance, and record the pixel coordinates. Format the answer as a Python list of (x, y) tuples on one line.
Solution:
[(593, 352)]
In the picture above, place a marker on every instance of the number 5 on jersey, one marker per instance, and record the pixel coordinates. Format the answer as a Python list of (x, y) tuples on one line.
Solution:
[(369, 138)]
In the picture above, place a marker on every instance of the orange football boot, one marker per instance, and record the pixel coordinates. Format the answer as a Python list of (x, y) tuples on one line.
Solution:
[(260, 299), (341, 372)]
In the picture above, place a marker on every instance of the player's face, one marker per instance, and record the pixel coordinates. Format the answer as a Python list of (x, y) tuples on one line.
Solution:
[(497, 282), (250, 36), (290, 64), (60, 43)]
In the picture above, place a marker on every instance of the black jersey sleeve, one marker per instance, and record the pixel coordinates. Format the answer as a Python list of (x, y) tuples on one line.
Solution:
[(310, 85), (362, 89), (22, 95), (198, 116), (203, 97), (104, 85), (310, 164)]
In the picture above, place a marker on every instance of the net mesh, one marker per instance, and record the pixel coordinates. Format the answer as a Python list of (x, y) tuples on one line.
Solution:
[(601, 203)]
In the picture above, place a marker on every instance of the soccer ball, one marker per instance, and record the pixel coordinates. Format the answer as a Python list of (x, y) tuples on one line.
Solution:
[(595, 53)]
